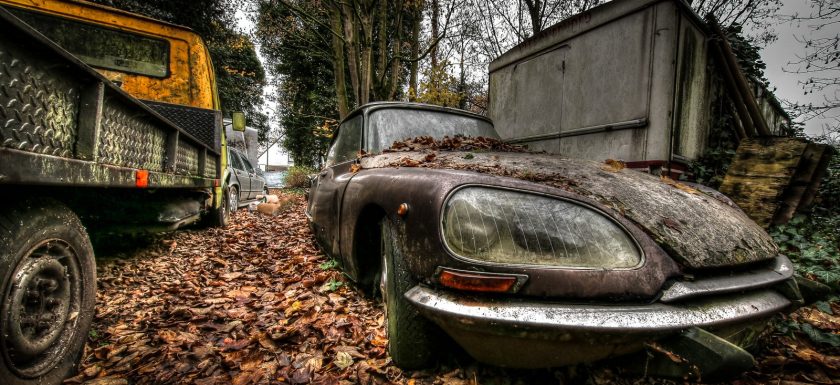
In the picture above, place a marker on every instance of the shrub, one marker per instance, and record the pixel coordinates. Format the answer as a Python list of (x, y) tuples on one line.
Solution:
[(298, 176)]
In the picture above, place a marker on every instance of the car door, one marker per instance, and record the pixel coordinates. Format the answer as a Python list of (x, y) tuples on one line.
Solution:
[(255, 182), (328, 186), (241, 175)]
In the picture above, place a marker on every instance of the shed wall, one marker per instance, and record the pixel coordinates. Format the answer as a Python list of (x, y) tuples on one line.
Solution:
[(608, 91)]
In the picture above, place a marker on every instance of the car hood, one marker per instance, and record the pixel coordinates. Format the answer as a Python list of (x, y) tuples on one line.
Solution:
[(696, 229)]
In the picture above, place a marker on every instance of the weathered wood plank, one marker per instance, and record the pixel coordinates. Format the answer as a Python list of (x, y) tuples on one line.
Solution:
[(760, 173), (819, 173), (799, 183)]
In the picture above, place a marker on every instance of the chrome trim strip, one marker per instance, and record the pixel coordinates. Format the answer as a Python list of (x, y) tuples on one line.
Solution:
[(471, 312), (635, 123), (781, 270)]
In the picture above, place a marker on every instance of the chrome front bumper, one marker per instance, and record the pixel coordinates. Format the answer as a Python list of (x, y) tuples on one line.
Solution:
[(529, 333)]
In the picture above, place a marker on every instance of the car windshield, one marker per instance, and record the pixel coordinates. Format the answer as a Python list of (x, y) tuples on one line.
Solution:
[(389, 125)]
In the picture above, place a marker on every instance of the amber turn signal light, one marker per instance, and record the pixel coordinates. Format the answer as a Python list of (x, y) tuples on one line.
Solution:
[(482, 282), (141, 178), (402, 210)]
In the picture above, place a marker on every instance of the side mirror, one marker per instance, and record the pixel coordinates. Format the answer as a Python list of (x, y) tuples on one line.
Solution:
[(238, 121)]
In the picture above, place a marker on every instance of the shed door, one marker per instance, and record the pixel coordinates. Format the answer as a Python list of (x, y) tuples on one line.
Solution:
[(608, 73), (538, 97)]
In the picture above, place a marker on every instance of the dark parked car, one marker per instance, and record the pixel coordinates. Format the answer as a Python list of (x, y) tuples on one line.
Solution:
[(245, 182), (532, 260)]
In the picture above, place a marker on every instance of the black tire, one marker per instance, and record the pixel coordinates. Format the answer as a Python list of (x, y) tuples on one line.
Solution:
[(48, 292), (412, 339), (219, 217)]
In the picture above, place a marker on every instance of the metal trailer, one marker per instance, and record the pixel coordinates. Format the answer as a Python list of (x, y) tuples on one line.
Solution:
[(627, 80), (77, 152), (64, 124)]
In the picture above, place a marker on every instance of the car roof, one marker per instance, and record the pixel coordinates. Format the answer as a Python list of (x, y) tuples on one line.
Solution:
[(412, 105)]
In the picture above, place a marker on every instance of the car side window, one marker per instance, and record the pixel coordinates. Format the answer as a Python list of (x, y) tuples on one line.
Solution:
[(348, 142), (235, 162), (246, 163)]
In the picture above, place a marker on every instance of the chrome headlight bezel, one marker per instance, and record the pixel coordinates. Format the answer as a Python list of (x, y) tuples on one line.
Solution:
[(580, 203)]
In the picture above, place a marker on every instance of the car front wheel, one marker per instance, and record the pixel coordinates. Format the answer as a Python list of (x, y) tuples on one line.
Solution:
[(233, 199), (411, 337), (48, 287)]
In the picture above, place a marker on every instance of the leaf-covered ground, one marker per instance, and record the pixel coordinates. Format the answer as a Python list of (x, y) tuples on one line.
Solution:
[(258, 303)]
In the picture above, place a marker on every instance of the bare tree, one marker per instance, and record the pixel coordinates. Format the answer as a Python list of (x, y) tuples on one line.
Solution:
[(752, 13), (820, 64), (367, 41)]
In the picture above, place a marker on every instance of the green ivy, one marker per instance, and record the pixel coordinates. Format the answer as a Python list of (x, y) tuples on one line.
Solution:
[(812, 240), (331, 264), (816, 335)]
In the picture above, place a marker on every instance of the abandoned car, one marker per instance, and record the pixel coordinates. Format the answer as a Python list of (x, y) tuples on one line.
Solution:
[(531, 260)]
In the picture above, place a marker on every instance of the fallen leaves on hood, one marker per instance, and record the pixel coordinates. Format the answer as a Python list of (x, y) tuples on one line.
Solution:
[(613, 165), (455, 143)]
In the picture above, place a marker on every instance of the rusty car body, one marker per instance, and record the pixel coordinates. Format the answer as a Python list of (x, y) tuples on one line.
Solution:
[(533, 260)]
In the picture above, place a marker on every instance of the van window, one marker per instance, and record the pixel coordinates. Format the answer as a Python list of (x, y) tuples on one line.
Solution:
[(102, 47)]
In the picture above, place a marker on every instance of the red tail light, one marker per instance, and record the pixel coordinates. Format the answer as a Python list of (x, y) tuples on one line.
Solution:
[(141, 178)]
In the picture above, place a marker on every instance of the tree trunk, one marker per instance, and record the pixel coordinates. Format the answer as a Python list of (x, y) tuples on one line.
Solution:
[(462, 79), (380, 87), (415, 51), (339, 64), (534, 12), (396, 48), (352, 49), (366, 63), (435, 31)]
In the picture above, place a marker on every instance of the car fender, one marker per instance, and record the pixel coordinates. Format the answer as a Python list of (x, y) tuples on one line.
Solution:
[(425, 192)]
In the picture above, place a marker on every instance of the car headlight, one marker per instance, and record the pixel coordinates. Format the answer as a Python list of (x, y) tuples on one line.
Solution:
[(502, 226)]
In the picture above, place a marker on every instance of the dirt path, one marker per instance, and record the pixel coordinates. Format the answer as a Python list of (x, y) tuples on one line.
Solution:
[(258, 303)]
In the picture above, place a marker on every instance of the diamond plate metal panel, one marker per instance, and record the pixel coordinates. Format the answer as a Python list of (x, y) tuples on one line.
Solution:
[(210, 167), (130, 141), (198, 122), (187, 160), (38, 108)]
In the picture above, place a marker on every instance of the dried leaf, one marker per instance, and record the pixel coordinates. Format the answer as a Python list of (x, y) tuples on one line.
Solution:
[(613, 165), (343, 360)]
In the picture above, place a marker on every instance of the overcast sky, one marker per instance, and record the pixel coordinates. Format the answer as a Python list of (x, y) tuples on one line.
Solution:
[(779, 54)]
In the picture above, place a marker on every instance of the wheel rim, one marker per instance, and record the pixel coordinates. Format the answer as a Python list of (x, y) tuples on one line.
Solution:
[(233, 199), (383, 286), (40, 306)]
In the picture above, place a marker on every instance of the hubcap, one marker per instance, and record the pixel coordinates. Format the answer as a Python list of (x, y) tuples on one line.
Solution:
[(233, 199), (383, 286), (43, 297)]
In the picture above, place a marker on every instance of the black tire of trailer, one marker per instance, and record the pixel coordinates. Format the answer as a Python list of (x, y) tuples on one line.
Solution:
[(48, 274)]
